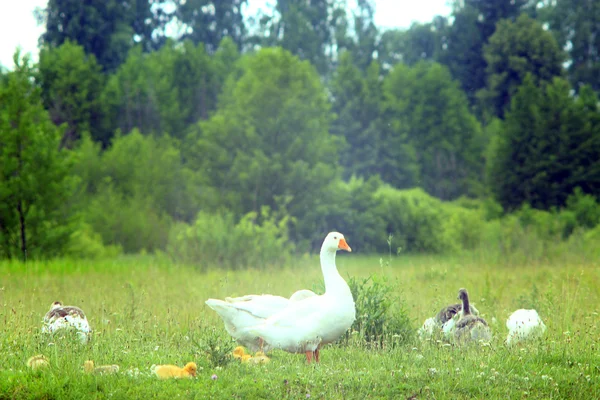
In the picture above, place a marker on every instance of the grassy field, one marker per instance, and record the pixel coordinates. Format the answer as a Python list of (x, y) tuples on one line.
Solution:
[(145, 311)]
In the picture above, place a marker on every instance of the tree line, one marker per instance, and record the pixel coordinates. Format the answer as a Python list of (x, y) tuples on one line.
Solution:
[(290, 123)]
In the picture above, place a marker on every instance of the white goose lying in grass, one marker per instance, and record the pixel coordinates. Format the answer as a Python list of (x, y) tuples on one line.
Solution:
[(470, 327), (524, 325), (241, 312), (444, 321), (61, 317), (304, 326)]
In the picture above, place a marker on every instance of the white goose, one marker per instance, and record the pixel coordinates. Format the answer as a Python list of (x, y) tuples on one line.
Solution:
[(306, 325), (524, 325), (61, 317), (241, 312)]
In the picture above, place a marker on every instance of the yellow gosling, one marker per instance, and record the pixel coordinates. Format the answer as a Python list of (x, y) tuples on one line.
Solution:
[(37, 362), (173, 371)]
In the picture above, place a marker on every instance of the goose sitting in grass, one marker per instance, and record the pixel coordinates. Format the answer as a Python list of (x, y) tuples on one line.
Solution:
[(90, 368), (239, 353), (524, 325), (259, 358), (307, 325), (37, 362), (61, 317), (241, 312), (470, 327), (173, 371), (444, 321)]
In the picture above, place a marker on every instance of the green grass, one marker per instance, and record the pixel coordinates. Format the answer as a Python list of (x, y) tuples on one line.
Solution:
[(146, 311)]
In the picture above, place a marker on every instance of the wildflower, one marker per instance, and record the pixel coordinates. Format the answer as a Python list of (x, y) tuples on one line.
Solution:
[(214, 377), (308, 395), (432, 371), (419, 356), (156, 348)]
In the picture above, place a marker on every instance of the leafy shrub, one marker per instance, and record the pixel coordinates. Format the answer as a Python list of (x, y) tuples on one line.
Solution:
[(347, 207), (256, 240), (414, 219), (217, 349), (130, 222), (86, 243), (463, 228), (585, 207), (381, 317)]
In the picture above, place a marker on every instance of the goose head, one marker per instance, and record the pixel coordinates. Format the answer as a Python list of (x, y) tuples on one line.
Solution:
[(56, 304), (191, 368), (463, 295), (333, 242)]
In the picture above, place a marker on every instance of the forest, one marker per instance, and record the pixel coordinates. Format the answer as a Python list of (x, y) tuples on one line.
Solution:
[(189, 129)]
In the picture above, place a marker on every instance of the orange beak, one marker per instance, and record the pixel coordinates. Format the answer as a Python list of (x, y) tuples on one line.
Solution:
[(342, 245)]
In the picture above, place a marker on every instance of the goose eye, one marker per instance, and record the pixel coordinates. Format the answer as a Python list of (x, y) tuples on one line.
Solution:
[(335, 238)]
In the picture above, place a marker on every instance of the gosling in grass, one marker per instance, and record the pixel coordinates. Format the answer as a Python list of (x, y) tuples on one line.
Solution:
[(37, 362), (61, 317), (89, 368), (444, 321), (173, 371), (258, 358), (524, 325), (470, 327), (239, 353)]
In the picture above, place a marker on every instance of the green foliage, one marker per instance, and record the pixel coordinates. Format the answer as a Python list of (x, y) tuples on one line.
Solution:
[(268, 144), (257, 240), (418, 43), (35, 179), (87, 243), (585, 207), (413, 219), (217, 348), (548, 146), (131, 192), (209, 22), (514, 51), (381, 316), (576, 26), (427, 106), (142, 94), (348, 207), (71, 83), (357, 100), (105, 29), (464, 40)]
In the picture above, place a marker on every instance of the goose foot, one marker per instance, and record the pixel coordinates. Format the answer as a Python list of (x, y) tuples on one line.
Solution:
[(261, 343), (309, 355)]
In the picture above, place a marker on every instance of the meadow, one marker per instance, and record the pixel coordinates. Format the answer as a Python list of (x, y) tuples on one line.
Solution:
[(146, 310)]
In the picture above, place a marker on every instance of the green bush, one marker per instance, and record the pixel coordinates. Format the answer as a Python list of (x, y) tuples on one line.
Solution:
[(130, 222), (381, 316), (257, 240), (347, 207), (86, 243), (414, 219), (585, 207)]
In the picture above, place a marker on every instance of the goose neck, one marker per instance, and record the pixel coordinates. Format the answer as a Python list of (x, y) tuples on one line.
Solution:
[(466, 306), (331, 275)]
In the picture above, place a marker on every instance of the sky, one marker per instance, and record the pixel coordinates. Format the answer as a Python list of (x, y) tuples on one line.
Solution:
[(18, 26)]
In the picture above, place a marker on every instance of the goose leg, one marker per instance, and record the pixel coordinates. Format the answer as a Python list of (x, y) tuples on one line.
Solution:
[(317, 355), (309, 355), (261, 343)]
